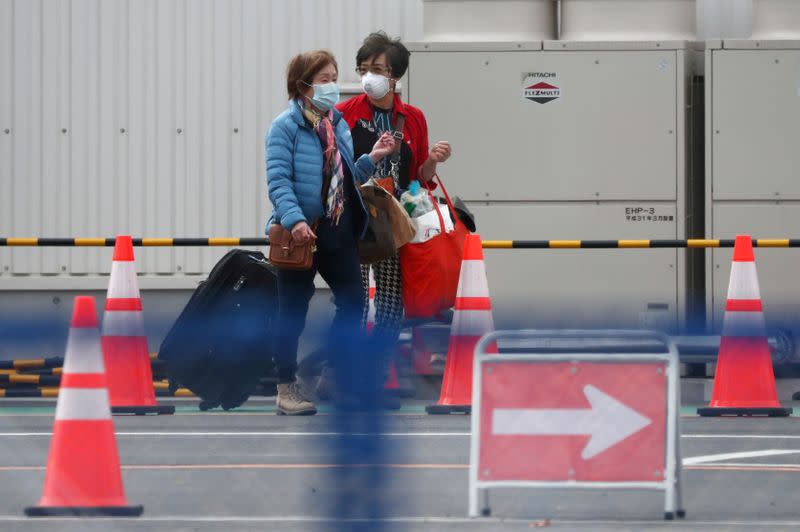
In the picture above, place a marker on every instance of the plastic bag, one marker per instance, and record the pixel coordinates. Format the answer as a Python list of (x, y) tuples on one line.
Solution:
[(414, 202), (428, 225)]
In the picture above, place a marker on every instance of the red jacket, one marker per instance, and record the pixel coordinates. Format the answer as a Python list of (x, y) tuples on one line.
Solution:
[(415, 130)]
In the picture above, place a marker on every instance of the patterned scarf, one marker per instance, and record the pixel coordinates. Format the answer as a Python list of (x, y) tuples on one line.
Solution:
[(332, 163)]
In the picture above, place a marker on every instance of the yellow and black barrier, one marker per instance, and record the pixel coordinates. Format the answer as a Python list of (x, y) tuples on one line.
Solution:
[(138, 242), (635, 244), (42, 371), (39, 380), (41, 377), (487, 244), (49, 365), (180, 392), (34, 363), (20, 393), (160, 389), (52, 392)]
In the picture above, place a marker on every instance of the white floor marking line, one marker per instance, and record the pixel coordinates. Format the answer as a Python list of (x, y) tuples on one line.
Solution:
[(696, 460), (251, 434), (741, 436), (714, 525), (788, 467), (390, 434)]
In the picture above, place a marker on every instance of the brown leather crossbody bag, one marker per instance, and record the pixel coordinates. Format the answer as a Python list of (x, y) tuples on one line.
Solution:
[(285, 253)]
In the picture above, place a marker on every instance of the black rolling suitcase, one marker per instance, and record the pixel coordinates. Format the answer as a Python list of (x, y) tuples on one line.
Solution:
[(220, 347)]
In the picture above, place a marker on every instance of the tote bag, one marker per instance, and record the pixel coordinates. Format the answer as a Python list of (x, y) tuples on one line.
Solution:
[(430, 269)]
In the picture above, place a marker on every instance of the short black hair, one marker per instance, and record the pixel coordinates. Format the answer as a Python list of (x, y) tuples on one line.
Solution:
[(378, 43)]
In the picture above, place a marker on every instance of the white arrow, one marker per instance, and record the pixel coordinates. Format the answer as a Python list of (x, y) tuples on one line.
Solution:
[(608, 422)]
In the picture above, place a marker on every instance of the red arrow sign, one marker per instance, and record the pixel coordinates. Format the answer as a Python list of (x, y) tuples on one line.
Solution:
[(570, 422), (573, 421)]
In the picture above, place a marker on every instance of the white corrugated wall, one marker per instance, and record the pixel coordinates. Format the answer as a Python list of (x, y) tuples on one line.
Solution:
[(147, 117)]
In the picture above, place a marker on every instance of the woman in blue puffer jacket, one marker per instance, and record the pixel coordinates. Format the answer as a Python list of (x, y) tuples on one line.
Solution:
[(313, 180)]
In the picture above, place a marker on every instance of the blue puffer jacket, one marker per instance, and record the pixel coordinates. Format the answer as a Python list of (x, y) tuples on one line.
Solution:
[(294, 167)]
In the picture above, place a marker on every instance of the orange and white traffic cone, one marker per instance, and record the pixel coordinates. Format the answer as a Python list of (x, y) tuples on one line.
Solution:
[(472, 319), (130, 377), (83, 473), (744, 384), (371, 309)]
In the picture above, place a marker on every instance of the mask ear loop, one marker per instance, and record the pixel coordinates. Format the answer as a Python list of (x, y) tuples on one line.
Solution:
[(299, 81), (310, 100)]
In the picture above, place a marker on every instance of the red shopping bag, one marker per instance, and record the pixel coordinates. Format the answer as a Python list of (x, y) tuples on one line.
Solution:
[(431, 269)]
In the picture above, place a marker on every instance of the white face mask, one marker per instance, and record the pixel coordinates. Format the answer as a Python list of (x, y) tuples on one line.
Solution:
[(375, 85), (326, 95)]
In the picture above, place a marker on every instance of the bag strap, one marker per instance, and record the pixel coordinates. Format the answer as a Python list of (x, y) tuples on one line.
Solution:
[(453, 212), (398, 126), (436, 208), (452, 209)]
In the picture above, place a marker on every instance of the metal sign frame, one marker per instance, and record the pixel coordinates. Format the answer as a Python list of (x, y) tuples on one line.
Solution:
[(672, 480)]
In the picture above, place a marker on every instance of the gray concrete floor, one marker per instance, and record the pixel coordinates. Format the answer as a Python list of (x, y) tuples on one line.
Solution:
[(250, 470), (253, 470)]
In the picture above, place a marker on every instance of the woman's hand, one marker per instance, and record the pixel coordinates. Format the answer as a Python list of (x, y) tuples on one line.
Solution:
[(440, 152), (302, 233), (382, 148)]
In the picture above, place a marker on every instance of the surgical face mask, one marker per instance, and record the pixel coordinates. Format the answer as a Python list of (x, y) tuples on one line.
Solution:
[(326, 95), (375, 85)]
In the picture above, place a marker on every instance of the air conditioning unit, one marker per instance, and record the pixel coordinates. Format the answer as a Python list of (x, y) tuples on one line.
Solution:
[(570, 140)]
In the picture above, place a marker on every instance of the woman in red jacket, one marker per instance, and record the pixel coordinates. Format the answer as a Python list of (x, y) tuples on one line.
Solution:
[(381, 62)]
